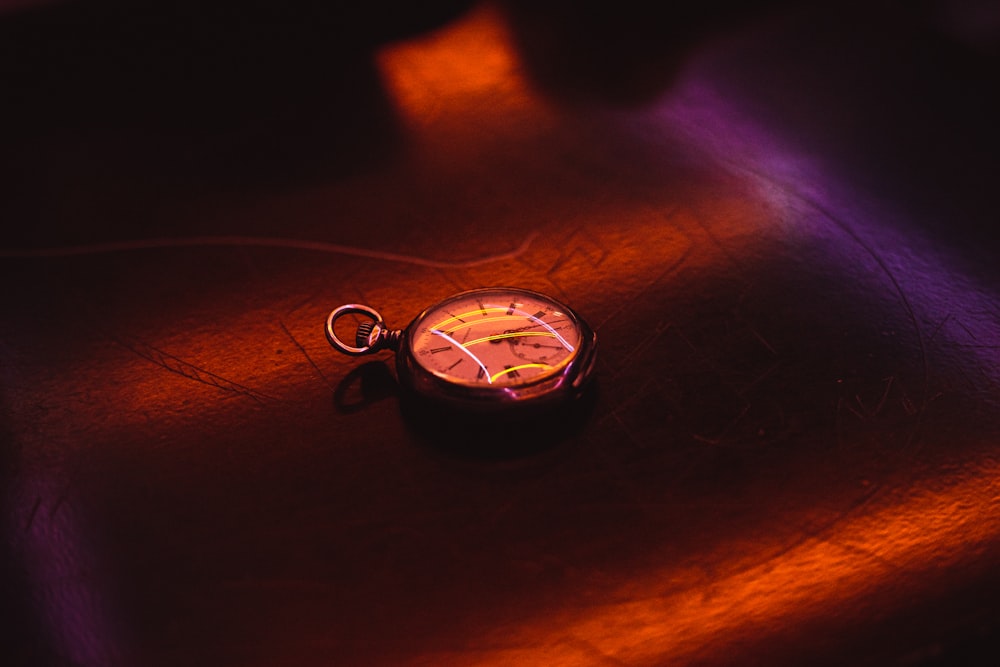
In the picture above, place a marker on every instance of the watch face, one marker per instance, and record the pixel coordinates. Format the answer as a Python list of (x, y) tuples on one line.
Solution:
[(496, 338)]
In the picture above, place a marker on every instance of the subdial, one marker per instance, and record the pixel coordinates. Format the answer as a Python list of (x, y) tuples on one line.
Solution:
[(537, 349)]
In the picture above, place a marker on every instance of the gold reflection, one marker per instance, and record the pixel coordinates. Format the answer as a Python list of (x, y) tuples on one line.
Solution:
[(443, 324), (515, 334), (513, 370)]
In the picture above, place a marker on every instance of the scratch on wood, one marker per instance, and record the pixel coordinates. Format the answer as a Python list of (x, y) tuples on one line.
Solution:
[(843, 404), (627, 303), (881, 401), (790, 190), (623, 402), (579, 248), (261, 242), (760, 378), (641, 347), (967, 330), (176, 365), (904, 301), (867, 553), (763, 341), (305, 354), (822, 530), (937, 329), (909, 406), (594, 652), (60, 499), (32, 513)]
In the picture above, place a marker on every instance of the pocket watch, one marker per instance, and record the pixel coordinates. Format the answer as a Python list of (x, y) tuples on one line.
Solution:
[(491, 349)]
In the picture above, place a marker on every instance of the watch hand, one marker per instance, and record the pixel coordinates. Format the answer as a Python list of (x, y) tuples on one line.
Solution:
[(522, 343)]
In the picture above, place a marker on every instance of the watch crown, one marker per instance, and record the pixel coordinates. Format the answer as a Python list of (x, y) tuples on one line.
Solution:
[(362, 338)]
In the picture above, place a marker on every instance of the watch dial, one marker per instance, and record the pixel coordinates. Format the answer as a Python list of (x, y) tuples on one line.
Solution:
[(495, 337)]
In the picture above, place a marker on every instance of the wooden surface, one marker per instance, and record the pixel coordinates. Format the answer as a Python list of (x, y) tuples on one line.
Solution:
[(783, 243)]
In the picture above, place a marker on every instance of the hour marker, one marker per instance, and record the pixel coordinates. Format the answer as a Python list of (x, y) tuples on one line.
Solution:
[(455, 317), (481, 373), (482, 308), (510, 311), (512, 372), (539, 315), (435, 350), (457, 363)]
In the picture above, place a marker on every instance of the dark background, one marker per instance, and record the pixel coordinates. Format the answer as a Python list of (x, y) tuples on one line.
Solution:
[(780, 221)]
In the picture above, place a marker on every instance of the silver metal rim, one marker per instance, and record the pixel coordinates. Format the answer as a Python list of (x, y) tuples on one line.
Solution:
[(351, 309)]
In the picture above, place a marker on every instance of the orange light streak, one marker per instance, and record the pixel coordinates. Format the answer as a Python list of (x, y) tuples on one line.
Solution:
[(859, 558), (428, 81)]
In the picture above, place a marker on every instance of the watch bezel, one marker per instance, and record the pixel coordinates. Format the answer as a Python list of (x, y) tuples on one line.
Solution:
[(566, 384)]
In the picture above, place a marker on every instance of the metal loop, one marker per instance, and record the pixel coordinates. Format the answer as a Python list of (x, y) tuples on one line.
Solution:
[(352, 309)]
